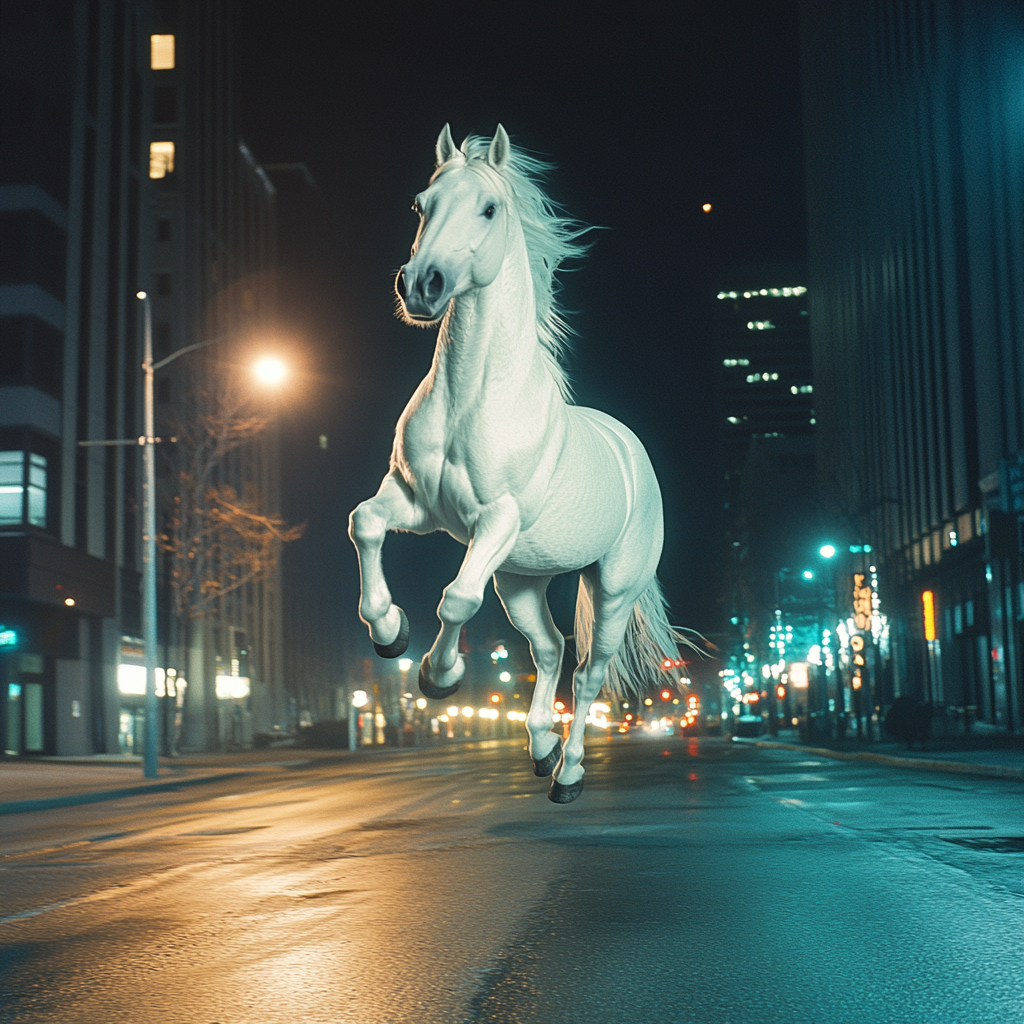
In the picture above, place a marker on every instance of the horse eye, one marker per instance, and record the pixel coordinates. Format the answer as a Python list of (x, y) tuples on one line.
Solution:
[(489, 212)]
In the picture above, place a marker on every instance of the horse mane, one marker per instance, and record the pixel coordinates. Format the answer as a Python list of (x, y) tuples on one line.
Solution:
[(551, 238)]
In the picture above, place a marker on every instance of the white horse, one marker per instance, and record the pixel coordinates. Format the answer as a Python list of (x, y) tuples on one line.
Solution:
[(489, 450)]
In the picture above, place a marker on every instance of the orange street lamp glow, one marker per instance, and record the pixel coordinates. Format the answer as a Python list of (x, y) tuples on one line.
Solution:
[(706, 207), (270, 370)]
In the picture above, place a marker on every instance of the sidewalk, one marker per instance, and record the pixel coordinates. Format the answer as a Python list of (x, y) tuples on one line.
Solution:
[(47, 782), (994, 758)]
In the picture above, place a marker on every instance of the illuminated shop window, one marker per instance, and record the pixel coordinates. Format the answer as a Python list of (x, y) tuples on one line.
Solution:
[(161, 53), (735, 362), (803, 389), (758, 325), (161, 159), (757, 378), (22, 500)]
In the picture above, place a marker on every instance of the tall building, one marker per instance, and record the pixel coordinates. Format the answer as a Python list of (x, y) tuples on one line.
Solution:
[(914, 140), (767, 422), (119, 171)]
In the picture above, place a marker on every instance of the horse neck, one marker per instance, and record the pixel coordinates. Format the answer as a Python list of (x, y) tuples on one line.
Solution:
[(489, 338)]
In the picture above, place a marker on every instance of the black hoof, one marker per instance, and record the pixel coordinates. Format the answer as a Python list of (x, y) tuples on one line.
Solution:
[(428, 689), (398, 646), (546, 765), (559, 794)]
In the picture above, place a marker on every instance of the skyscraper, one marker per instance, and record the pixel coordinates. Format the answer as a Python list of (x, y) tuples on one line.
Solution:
[(914, 136), (120, 170)]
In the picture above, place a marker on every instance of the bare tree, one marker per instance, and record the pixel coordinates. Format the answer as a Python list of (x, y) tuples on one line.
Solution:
[(218, 535)]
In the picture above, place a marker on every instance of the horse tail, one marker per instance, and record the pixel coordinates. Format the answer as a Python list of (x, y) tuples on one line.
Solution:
[(649, 640)]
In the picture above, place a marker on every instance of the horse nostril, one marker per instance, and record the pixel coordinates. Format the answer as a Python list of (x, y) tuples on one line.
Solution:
[(435, 286), (400, 284)]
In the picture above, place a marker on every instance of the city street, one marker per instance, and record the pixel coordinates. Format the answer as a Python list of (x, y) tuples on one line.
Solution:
[(694, 880)]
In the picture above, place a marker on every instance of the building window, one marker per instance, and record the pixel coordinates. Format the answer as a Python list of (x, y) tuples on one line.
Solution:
[(31, 352), (165, 104), (161, 159), (161, 53), (162, 339), (22, 489)]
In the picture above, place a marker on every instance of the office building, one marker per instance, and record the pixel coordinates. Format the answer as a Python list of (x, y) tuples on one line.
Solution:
[(120, 170), (914, 140)]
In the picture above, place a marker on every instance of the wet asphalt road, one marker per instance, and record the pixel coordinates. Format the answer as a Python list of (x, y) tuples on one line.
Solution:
[(693, 881)]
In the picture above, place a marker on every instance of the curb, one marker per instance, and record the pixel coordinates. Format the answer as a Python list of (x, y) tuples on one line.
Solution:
[(991, 771), (98, 796)]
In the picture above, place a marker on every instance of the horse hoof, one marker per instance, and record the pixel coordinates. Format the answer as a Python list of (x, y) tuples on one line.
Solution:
[(428, 689), (398, 646), (559, 794), (546, 765)]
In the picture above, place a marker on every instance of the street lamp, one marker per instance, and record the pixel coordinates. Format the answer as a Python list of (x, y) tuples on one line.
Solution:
[(404, 664), (360, 698), (149, 761)]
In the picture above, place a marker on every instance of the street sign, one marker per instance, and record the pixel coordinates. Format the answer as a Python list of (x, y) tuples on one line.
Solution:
[(861, 602)]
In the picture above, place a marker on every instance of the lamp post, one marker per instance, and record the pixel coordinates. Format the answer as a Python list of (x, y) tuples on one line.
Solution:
[(149, 752), (358, 700), (270, 371), (404, 664)]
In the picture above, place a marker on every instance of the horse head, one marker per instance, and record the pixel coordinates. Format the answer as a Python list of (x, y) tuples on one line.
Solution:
[(465, 213)]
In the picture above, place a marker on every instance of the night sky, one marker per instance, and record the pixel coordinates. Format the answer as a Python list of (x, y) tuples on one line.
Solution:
[(647, 113)]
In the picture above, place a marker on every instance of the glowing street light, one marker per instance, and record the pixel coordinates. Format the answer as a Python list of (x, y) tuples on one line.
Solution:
[(827, 550), (270, 370)]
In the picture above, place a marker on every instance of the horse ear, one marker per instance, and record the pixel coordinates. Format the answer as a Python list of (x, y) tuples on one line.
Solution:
[(445, 148), (498, 154)]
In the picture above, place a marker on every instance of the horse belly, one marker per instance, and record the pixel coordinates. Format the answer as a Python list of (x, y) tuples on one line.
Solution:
[(584, 512)]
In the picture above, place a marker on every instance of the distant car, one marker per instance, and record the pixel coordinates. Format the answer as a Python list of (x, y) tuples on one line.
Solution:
[(748, 725)]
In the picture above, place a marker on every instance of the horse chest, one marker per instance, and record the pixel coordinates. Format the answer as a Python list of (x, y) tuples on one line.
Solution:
[(433, 459)]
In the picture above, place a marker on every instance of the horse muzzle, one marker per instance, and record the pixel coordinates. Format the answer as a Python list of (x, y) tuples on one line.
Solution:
[(424, 295)]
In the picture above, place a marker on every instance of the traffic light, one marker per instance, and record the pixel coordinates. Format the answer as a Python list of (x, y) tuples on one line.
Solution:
[(495, 698), (666, 694), (780, 692)]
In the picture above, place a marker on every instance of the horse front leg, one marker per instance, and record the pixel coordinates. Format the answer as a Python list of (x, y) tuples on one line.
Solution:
[(392, 508), (525, 601), (494, 535)]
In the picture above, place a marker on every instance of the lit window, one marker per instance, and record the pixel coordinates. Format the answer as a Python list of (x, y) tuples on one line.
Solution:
[(161, 159), (161, 53), (803, 389), (760, 325), (11, 487), (14, 509)]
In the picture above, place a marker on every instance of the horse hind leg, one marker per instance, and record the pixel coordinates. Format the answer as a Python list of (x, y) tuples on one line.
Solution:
[(611, 617), (525, 602)]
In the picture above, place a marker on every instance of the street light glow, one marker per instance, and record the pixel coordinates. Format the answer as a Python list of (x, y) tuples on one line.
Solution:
[(827, 550), (404, 664), (270, 370)]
